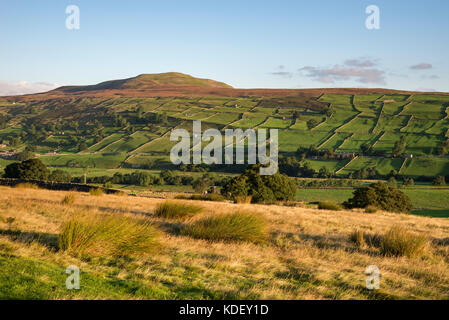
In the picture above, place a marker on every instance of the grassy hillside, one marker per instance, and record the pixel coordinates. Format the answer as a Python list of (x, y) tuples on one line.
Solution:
[(308, 254), (128, 125)]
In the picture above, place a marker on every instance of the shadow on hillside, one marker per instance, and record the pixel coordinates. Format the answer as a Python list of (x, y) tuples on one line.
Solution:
[(173, 228), (329, 242), (48, 240), (92, 207), (112, 210)]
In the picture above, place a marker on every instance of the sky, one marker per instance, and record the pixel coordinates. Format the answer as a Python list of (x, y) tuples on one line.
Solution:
[(245, 43)]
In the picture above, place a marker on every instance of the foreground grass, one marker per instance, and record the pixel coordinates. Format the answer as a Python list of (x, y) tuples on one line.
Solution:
[(237, 226), (308, 254)]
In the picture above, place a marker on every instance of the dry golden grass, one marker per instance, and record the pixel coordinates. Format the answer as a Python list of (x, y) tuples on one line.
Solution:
[(309, 254)]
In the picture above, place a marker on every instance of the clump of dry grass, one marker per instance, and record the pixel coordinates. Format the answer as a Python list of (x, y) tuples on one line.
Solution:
[(69, 199), (237, 226), (358, 238), (26, 185), (107, 236), (400, 242), (176, 210), (327, 205), (96, 192), (371, 209), (243, 199)]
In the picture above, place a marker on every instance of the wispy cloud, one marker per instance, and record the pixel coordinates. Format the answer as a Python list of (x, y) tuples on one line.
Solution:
[(431, 77), (25, 87), (282, 73), (421, 66), (361, 63), (425, 90), (344, 73)]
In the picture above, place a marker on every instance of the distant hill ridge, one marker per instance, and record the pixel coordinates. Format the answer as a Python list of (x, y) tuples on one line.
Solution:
[(148, 82), (175, 84)]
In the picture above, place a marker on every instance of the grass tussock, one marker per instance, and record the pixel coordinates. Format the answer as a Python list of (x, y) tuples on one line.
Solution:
[(243, 199), (69, 199), (400, 242), (358, 238), (107, 236), (96, 192), (371, 209), (26, 185), (176, 210), (237, 226), (327, 205)]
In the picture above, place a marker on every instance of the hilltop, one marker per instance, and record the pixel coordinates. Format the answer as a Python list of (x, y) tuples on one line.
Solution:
[(148, 82)]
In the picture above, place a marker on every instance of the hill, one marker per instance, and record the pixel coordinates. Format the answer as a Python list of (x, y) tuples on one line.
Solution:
[(307, 255), (148, 82)]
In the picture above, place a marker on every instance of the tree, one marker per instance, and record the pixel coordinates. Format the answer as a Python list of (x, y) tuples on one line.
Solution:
[(139, 112), (33, 169), (200, 185), (60, 176), (82, 146), (392, 182), (439, 181), (408, 182), (296, 114), (27, 154), (312, 123), (330, 111), (443, 148), (324, 172), (366, 148), (262, 189), (399, 147), (381, 196)]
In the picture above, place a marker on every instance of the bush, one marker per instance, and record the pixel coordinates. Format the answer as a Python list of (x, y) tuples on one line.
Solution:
[(96, 192), (371, 209), (26, 185), (439, 181), (238, 226), (176, 210), (262, 189), (60, 176), (399, 242), (69, 199), (327, 205), (381, 196), (107, 236), (33, 169)]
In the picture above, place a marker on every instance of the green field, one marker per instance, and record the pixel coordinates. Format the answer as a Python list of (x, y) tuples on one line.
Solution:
[(431, 203)]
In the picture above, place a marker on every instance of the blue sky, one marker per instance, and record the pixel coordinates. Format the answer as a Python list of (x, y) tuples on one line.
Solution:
[(247, 44)]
